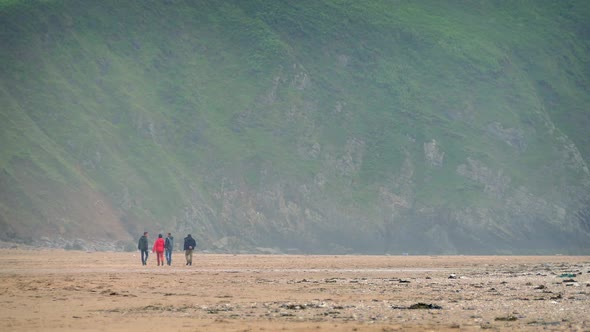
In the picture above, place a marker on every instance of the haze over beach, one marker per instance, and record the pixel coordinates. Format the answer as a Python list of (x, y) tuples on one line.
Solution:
[(375, 165), (302, 127)]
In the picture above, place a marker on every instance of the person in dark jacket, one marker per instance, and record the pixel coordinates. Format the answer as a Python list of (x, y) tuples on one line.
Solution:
[(142, 245), (169, 246), (189, 246)]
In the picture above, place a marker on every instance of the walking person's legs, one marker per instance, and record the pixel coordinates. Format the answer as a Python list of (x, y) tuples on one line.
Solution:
[(169, 256), (188, 254), (144, 257)]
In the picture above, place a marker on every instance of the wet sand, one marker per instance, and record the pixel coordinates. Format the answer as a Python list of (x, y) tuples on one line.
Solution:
[(53, 290)]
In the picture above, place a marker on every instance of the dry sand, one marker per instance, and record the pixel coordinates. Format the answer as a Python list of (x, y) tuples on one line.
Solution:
[(51, 290)]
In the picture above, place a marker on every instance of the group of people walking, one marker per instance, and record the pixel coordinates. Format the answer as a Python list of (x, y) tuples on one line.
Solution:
[(165, 246)]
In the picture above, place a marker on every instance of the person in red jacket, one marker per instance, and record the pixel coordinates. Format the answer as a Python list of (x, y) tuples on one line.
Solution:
[(159, 249)]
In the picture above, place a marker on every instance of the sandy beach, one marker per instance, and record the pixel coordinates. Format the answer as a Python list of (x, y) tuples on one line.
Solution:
[(56, 290)]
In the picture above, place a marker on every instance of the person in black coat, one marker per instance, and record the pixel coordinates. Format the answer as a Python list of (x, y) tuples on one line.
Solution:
[(189, 246), (142, 245)]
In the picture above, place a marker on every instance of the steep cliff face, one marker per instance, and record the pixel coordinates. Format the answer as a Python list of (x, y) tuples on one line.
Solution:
[(315, 126)]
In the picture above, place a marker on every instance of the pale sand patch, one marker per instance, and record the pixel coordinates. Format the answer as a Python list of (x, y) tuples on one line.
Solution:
[(53, 290)]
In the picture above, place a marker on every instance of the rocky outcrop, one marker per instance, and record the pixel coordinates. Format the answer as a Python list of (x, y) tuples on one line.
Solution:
[(434, 156)]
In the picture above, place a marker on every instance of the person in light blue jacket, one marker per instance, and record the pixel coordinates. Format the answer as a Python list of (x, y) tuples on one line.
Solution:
[(169, 247)]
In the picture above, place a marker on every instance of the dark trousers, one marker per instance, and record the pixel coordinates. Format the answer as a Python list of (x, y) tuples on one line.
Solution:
[(144, 256)]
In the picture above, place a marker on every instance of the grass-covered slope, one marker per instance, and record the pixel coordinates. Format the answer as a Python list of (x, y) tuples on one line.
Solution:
[(324, 126)]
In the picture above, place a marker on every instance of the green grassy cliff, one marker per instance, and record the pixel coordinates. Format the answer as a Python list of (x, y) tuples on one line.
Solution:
[(309, 126)]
